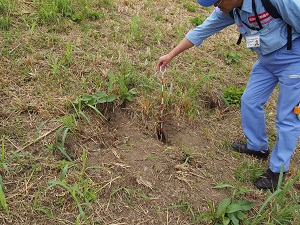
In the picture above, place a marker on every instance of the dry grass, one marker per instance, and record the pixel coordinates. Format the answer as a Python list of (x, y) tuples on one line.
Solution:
[(126, 176)]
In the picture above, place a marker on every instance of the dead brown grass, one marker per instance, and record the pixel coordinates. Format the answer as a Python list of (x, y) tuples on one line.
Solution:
[(129, 176)]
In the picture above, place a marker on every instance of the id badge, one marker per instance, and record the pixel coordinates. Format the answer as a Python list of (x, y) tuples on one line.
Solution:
[(253, 41)]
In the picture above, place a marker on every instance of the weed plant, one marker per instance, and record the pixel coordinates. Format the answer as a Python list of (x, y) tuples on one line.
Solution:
[(232, 95), (196, 21), (66, 63), (3, 165), (189, 6), (280, 207)]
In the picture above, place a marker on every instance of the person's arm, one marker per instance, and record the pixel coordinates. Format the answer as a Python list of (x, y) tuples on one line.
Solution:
[(214, 23), (181, 47)]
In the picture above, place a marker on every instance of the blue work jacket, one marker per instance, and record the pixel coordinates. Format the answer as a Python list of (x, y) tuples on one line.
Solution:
[(273, 35)]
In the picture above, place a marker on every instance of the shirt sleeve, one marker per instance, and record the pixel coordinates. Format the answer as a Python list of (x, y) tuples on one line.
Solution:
[(290, 12), (214, 23)]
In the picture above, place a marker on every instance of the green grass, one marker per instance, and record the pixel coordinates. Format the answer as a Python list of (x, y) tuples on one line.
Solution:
[(68, 65)]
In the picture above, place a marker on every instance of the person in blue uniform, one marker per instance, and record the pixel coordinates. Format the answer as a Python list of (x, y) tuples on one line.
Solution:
[(276, 64)]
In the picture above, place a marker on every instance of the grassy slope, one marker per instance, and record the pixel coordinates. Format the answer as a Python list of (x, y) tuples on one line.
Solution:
[(50, 60)]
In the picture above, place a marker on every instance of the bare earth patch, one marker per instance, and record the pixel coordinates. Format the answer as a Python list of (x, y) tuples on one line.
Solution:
[(120, 173), (172, 176)]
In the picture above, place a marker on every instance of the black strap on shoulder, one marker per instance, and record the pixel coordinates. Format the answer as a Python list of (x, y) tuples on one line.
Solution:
[(231, 14), (256, 16), (241, 36), (271, 9), (275, 14), (289, 37)]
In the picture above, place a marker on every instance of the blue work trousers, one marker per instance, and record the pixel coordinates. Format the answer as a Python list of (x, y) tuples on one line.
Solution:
[(280, 67)]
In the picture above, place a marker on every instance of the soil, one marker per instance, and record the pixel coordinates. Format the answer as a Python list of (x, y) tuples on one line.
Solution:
[(151, 182), (127, 176), (132, 177), (175, 175)]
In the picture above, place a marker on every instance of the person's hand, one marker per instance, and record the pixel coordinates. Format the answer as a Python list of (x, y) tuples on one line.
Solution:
[(163, 62), (182, 46)]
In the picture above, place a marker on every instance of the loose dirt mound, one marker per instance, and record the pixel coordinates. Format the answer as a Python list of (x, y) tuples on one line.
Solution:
[(147, 181)]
